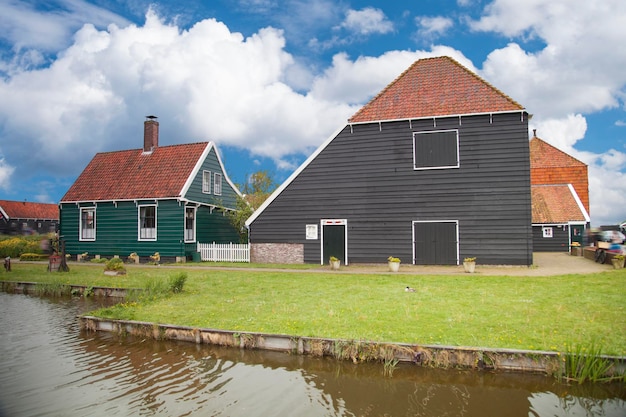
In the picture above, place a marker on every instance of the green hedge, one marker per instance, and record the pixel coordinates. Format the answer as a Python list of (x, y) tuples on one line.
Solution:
[(33, 257)]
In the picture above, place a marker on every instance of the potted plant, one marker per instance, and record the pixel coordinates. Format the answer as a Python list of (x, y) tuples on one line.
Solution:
[(334, 263), (133, 258), (114, 266), (156, 258), (394, 264), (618, 261), (469, 264)]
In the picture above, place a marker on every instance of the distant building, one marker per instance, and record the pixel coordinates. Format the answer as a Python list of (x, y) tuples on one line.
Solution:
[(162, 199), (560, 197), (25, 218), (433, 169)]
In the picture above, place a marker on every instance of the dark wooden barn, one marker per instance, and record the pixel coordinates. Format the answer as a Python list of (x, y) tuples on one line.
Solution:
[(26, 218), (433, 169)]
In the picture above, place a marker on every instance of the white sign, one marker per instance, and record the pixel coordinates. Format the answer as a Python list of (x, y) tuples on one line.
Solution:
[(311, 231)]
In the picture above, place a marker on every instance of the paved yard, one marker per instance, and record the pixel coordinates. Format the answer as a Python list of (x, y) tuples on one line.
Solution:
[(544, 264)]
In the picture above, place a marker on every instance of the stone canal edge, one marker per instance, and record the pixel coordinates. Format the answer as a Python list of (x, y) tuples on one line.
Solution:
[(436, 356)]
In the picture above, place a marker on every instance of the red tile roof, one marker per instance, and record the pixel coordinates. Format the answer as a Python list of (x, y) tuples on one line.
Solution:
[(27, 210), (554, 204), (544, 155), (549, 165), (133, 174), (435, 87)]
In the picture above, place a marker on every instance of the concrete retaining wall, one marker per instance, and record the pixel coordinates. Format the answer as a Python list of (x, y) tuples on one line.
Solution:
[(37, 287), (357, 351)]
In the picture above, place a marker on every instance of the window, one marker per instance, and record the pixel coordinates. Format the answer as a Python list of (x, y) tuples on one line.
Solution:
[(206, 182), (217, 186), (547, 231), (88, 223), (436, 150), (147, 222), (190, 224)]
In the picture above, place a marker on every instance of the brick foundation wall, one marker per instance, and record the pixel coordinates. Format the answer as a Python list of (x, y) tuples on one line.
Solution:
[(277, 253)]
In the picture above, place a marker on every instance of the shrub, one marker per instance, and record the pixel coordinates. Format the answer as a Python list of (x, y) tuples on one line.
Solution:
[(16, 246), (115, 264), (177, 282), (33, 257)]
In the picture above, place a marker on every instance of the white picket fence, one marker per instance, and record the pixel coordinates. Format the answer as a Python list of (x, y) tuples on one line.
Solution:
[(224, 252)]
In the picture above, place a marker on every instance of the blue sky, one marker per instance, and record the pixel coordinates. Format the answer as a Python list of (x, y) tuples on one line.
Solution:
[(270, 80)]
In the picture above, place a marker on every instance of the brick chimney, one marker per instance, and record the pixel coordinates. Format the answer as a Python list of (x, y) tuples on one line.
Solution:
[(150, 134)]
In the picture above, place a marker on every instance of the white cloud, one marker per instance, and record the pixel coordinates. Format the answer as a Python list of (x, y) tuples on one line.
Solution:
[(6, 171), (431, 27), (577, 70), (355, 82), (562, 133), (607, 189), (24, 26), (205, 83), (367, 21)]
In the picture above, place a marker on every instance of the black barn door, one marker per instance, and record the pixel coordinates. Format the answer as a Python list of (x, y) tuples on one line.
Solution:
[(334, 242), (435, 243)]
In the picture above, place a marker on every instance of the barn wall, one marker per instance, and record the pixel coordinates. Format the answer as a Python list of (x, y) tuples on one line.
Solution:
[(366, 176)]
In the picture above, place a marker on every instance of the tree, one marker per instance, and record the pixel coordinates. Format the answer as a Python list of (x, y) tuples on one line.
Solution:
[(256, 190)]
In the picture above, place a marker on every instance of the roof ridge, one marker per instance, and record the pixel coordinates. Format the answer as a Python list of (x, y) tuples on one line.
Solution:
[(158, 147)]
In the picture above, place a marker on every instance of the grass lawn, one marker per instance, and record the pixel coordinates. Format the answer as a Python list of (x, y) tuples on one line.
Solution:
[(538, 313)]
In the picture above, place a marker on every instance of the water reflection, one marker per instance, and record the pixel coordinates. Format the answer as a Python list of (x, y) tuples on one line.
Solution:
[(49, 367)]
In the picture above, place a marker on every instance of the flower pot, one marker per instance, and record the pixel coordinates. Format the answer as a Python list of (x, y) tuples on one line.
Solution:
[(394, 266), (617, 263), (334, 265), (469, 267)]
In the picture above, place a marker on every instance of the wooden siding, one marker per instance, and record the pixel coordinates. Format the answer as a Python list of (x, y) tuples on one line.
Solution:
[(366, 175), (116, 229), (228, 197), (559, 242), (214, 226)]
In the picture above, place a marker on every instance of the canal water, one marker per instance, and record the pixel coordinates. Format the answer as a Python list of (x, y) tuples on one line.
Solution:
[(48, 367)]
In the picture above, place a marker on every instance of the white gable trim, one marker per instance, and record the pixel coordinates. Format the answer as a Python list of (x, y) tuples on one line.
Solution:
[(196, 170), (581, 207), (292, 177)]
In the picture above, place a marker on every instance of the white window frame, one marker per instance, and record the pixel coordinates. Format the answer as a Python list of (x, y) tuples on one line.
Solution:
[(458, 160), (190, 238), (81, 234), (206, 182), (151, 236), (217, 185), (547, 231)]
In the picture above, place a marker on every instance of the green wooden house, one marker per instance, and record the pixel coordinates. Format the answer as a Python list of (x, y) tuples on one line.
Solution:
[(161, 199)]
